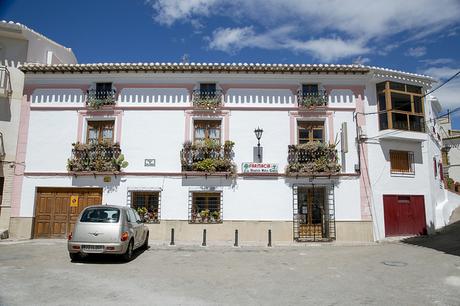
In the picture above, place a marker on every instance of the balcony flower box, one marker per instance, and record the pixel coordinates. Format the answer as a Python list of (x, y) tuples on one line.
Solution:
[(312, 99), (208, 157), (312, 158), (98, 157), (207, 100), (97, 98)]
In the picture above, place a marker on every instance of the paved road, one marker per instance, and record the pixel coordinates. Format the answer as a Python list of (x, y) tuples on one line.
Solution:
[(39, 272)]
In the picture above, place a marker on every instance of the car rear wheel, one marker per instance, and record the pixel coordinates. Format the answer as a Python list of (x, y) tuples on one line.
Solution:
[(145, 246), (128, 256), (74, 256)]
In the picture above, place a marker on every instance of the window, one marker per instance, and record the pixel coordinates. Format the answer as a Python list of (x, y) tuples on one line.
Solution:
[(310, 89), (101, 215), (100, 131), (402, 162), (400, 107), (310, 131), (103, 90), (147, 204), (208, 89), (207, 129), (206, 207)]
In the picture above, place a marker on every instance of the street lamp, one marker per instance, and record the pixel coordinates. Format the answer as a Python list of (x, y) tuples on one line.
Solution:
[(258, 133)]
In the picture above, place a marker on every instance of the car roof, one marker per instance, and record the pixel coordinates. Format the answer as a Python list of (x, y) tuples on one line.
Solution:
[(108, 206)]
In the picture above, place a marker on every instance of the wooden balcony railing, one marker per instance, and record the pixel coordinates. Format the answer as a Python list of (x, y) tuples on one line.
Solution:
[(207, 99), (208, 157), (99, 157), (312, 99), (312, 158), (99, 98)]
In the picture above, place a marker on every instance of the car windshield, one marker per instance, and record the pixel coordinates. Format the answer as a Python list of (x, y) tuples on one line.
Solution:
[(101, 215)]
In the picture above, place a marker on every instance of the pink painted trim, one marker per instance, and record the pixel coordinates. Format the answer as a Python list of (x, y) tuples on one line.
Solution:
[(188, 123), (330, 126), (20, 157), (188, 108), (80, 127), (292, 88), (119, 127), (227, 127), (292, 131), (121, 86), (364, 179), (192, 173)]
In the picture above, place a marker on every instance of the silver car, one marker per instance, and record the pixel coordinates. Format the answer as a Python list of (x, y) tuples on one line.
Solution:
[(107, 229)]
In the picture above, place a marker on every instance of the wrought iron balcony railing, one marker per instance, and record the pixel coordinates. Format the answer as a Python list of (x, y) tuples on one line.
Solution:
[(207, 99), (98, 157), (98, 98), (312, 158), (207, 157), (312, 99)]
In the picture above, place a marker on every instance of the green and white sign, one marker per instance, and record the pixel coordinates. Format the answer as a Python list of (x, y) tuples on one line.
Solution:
[(259, 168)]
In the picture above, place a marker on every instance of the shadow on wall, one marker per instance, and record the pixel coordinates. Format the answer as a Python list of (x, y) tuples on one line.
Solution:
[(206, 182), (446, 240), (5, 109), (98, 181), (416, 147)]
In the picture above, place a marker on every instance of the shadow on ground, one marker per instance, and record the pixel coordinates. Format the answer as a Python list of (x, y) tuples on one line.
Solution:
[(107, 258), (446, 240)]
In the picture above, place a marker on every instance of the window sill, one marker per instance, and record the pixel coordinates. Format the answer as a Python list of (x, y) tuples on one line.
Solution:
[(204, 222)]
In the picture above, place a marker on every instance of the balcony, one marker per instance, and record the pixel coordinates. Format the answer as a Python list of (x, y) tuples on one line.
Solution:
[(96, 158), (312, 99), (312, 158), (99, 98), (208, 157), (5, 82), (207, 100)]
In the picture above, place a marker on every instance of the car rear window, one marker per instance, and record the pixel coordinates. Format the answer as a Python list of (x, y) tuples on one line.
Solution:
[(101, 215)]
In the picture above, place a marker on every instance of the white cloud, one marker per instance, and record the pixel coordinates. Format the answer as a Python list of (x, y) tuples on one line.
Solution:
[(416, 52), (441, 73), (449, 94), (329, 49), (231, 40), (170, 11), (356, 26), (437, 61)]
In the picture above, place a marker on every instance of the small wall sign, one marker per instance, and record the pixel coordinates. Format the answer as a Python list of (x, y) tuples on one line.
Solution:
[(73, 201), (149, 162), (259, 168), (107, 179)]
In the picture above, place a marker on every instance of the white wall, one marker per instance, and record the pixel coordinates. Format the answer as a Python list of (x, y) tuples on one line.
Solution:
[(49, 143)]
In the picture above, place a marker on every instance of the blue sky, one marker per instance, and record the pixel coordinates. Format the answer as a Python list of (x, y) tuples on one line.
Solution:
[(421, 36)]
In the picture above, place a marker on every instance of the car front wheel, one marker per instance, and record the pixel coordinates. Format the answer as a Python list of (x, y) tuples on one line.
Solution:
[(145, 246), (128, 256)]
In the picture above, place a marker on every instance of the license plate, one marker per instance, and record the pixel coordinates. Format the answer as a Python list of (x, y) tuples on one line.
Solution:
[(92, 248)]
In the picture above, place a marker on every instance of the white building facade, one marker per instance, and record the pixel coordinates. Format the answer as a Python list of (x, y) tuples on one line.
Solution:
[(345, 154), (18, 44)]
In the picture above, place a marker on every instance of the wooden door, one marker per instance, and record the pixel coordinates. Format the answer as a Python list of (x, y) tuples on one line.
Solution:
[(404, 215), (54, 214)]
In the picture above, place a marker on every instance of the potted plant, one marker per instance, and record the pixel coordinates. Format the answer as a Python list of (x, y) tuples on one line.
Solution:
[(204, 214), (215, 215)]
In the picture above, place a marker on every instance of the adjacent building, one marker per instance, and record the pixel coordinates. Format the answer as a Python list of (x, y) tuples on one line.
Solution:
[(307, 152), (18, 45)]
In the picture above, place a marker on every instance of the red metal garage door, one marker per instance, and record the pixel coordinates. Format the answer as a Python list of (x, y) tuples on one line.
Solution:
[(404, 215)]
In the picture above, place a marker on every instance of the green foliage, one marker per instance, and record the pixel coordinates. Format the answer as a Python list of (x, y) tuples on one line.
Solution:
[(97, 157), (450, 183), (206, 165), (311, 158)]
